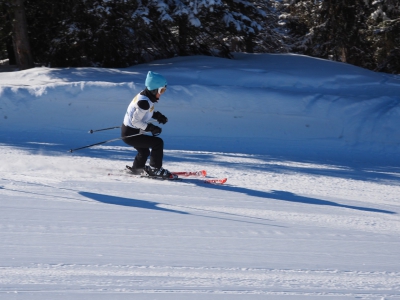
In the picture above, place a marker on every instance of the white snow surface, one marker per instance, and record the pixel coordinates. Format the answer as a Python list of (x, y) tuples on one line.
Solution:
[(310, 209)]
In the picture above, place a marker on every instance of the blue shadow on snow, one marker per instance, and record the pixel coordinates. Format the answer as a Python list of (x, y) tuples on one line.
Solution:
[(128, 202), (291, 197), (287, 196)]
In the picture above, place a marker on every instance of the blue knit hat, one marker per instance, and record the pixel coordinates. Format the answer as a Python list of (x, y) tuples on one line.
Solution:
[(155, 81)]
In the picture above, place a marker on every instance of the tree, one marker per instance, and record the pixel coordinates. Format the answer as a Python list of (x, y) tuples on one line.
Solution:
[(384, 34), (6, 48), (215, 27), (298, 17), (21, 43), (85, 33), (246, 26), (119, 33), (335, 29)]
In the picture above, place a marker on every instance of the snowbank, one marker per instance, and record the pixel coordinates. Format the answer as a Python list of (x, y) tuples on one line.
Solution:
[(255, 103)]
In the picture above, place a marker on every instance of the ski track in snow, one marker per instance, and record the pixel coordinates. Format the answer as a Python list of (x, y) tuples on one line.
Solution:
[(156, 279)]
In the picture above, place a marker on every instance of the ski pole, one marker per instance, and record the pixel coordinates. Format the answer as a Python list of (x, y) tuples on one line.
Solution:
[(108, 141), (91, 130)]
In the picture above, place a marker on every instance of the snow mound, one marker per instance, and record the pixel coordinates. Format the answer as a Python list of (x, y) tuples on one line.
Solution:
[(254, 103)]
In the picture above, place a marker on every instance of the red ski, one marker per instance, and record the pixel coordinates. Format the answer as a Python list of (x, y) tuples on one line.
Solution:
[(201, 173), (216, 181)]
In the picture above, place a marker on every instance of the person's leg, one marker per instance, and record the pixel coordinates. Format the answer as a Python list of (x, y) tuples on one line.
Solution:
[(157, 153), (143, 153), (141, 157), (156, 144), (142, 143)]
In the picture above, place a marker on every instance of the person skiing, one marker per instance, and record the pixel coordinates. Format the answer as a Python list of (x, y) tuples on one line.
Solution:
[(136, 121)]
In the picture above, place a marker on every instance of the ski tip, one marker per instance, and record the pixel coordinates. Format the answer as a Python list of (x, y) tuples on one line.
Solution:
[(216, 181)]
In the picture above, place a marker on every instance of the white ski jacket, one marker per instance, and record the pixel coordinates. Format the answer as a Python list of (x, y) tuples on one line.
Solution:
[(137, 115)]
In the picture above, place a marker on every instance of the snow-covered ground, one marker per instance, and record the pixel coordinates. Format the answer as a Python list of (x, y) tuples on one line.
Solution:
[(310, 209)]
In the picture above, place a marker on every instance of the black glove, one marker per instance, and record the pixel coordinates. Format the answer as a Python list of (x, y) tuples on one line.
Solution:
[(160, 117), (155, 130)]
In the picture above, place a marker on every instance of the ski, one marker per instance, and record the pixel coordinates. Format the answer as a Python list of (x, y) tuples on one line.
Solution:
[(208, 180), (202, 173), (184, 174), (216, 181), (159, 178), (126, 174)]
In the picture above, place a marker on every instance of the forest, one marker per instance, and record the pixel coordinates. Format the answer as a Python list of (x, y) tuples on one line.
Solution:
[(122, 33)]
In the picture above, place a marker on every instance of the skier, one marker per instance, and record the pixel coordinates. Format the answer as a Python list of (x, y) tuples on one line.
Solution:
[(136, 119)]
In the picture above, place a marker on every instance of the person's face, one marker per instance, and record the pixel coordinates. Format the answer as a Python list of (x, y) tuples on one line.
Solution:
[(161, 91)]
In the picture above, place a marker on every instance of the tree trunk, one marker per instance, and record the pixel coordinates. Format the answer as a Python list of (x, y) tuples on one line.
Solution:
[(249, 43), (10, 51), (22, 48), (182, 23), (344, 55)]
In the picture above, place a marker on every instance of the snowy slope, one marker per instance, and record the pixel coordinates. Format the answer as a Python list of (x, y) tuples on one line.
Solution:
[(310, 210)]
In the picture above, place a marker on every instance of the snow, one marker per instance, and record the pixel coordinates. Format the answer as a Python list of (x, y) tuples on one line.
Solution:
[(310, 210)]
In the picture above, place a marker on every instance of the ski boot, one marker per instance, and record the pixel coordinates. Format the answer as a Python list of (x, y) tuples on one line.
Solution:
[(160, 173), (135, 171)]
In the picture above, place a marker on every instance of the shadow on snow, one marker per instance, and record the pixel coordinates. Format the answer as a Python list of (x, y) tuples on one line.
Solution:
[(291, 197), (108, 199), (287, 196), (278, 195)]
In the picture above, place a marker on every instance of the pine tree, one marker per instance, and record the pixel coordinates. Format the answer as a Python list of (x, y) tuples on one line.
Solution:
[(298, 17), (119, 33), (206, 25), (259, 29), (384, 33), (85, 33), (335, 29), (6, 43)]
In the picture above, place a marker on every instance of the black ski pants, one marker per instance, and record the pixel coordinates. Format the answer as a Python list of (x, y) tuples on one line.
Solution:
[(142, 143)]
